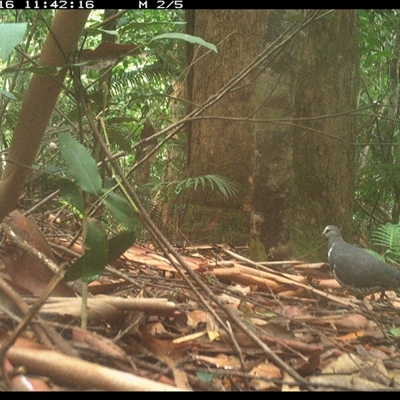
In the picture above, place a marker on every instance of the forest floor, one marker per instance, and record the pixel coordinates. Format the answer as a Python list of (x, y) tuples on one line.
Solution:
[(152, 328)]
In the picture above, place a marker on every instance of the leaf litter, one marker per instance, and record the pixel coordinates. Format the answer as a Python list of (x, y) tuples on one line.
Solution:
[(148, 330)]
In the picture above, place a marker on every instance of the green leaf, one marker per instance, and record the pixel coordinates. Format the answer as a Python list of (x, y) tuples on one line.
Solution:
[(121, 210), (82, 268), (72, 194), (394, 331), (10, 36), (80, 164), (95, 256), (119, 244), (7, 94), (203, 376), (120, 140), (186, 37)]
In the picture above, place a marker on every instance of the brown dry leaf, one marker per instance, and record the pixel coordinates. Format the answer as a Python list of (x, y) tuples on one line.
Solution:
[(243, 290), (368, 352), (221, 361), (96, 287), (371, 329), (351, 322), (146, 257), (294, 312), (180, 377), (396, 303), (162, 347), (308, 365), (289, 384), (353, 372), (264, 370), (348, 322), (24, 269), (103, 345), (345, 364), (27, 230), (196, 317), (375, 370), (154, 328), (231, 300), (170, 353), (329, 283)]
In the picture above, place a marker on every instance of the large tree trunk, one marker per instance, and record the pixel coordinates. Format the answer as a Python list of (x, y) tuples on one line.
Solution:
[(273, 144), (216, 146), (324, 142)]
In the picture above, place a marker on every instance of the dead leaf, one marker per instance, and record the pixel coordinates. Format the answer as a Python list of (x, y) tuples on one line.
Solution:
[(25, 269), (351, 322), (197, 317), (265, 370), (221, 361)]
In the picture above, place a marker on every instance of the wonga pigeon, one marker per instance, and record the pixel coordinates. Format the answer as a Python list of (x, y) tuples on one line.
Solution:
[(356, 269)]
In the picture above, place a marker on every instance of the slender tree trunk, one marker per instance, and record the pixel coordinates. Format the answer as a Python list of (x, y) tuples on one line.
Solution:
[(38, 104)]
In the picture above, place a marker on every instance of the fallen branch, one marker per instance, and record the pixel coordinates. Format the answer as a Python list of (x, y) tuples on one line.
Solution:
[(71, 371)]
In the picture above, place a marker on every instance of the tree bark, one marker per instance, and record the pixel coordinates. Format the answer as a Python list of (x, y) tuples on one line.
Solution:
[(220, 146), (38, 104), (273, 144), (324, 142)]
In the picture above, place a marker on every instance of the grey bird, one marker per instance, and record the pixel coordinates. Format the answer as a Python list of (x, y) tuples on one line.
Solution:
[(356, 269)]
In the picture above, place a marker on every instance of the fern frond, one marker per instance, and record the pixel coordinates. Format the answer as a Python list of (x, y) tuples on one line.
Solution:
[(226, 186), (388, 237)]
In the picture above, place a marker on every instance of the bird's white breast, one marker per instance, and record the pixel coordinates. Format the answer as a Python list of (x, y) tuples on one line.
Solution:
[(330, 251)]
